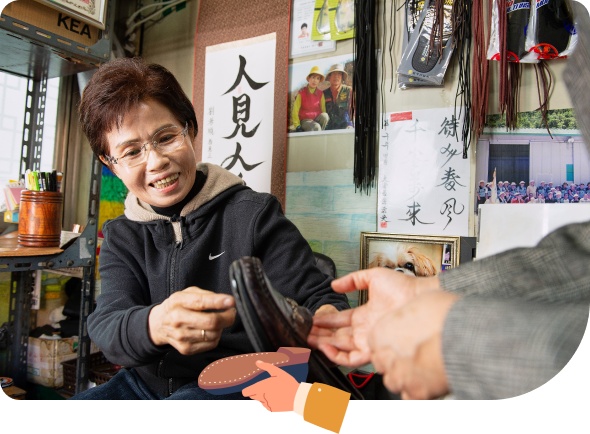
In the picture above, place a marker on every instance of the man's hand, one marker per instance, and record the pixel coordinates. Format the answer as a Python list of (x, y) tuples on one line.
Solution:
[(180, 320), (276, 393), (343, 336), (406, 346)]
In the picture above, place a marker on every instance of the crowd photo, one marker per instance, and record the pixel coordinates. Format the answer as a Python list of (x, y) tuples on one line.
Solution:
[(511, 192)]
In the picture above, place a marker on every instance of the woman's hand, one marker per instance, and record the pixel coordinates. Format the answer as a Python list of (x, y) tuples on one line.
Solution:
[(181, 322)]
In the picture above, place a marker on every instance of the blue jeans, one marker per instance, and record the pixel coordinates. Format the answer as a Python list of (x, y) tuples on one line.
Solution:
[(127, 384)]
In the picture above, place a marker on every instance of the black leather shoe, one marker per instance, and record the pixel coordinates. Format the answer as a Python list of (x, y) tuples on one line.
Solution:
[(273, 321)]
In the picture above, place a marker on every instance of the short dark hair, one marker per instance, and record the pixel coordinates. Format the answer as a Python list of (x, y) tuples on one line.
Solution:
[(121, 84), (304, 25)]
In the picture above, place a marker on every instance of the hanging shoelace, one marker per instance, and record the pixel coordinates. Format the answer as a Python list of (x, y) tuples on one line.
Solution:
[(543, 74), (510, 73), (365, 94), (480, 70), (461, 23)]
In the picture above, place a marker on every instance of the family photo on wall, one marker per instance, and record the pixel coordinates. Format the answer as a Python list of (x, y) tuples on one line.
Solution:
[(320, 96)]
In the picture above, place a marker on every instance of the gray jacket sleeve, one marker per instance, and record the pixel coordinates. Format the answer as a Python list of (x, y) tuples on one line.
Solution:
[(498, 348), (512, 331)]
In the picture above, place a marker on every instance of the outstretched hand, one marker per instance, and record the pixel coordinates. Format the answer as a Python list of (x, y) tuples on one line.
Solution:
[(406, 347), (343, 336), (276, 393)]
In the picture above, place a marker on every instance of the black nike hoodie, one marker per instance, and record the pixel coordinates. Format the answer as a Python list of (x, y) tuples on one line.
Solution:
[(145, 257)]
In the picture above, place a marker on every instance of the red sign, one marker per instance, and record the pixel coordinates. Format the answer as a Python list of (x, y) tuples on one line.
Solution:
[(405, 116)]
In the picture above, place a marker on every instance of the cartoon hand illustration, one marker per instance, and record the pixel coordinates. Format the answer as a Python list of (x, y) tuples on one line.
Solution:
[(276, 393)]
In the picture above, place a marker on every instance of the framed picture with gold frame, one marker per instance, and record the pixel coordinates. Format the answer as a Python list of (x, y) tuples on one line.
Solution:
[(415, 255)]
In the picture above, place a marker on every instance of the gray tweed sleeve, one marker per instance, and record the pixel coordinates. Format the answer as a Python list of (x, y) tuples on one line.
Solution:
[(497, 348), (557, 269)]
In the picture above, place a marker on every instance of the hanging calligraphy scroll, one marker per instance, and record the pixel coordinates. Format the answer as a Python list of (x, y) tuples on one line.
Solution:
[(237, 125), (423, 180), (249, 127)]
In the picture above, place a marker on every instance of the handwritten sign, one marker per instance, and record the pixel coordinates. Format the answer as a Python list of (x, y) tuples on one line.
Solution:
[(423, 179), (238, 112)]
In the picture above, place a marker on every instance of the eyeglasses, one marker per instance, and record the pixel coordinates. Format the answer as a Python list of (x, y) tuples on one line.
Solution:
[(164, 141)]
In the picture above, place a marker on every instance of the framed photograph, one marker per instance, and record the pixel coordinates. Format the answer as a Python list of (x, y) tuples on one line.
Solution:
[(320, 96), (93, 12), (415, 255)]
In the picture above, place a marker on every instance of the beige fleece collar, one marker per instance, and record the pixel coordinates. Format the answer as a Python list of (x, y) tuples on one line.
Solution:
[(218, 180)]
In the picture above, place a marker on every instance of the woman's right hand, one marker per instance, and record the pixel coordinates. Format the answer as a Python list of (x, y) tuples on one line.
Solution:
[(180, 320)]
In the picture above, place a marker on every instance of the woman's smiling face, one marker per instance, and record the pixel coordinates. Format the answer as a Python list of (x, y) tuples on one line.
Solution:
[(139, 125)]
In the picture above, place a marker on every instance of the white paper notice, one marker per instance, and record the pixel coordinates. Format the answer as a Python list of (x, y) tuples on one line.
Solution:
[(239, 108), (423, 179), (301, 22)]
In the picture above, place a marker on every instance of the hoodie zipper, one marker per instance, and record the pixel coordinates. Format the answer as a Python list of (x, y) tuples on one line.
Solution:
[(177, 247)]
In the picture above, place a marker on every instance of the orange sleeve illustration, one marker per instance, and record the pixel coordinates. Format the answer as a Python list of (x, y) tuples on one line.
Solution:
[(326, 406)]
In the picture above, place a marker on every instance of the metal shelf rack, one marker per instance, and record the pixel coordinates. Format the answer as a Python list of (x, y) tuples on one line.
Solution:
[(37, 54)]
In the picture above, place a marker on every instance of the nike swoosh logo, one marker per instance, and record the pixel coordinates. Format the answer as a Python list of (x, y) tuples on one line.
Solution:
[(215, 257)]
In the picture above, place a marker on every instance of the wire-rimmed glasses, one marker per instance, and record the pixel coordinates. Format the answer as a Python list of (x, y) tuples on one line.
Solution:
[(164, 141)]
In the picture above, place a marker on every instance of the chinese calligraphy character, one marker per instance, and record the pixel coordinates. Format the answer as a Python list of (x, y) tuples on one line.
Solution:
[(449, 127), (451, 152), (413, 213), (386, 137), (450, 180), (240, 121), (415, 129), (210, 121), (242, 74), (211, 111), (210, 131), (447, 208), (235, 157), (241, 104)]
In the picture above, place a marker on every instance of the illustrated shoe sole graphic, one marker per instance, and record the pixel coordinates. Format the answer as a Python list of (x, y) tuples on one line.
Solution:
[(234, 374)]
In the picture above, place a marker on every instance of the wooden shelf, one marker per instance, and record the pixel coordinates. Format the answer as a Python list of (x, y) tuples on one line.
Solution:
[(9, 248)]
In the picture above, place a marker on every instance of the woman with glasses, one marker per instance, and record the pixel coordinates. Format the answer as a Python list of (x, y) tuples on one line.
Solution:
[(165, 311)]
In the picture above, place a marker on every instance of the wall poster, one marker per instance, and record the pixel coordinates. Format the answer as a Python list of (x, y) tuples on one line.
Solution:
[(300, 37), (424, 181), (237, 125)]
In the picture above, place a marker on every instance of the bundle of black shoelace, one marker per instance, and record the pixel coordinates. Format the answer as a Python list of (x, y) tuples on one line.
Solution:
[(461, 21), (365, 94)]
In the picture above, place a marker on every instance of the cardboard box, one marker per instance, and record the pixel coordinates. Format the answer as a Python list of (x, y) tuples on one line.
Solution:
[(52, 20), (44, 357)]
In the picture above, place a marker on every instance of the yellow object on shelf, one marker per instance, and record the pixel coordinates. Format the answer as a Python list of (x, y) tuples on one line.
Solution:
[(10, 217), (52, 288)]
